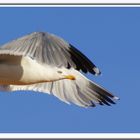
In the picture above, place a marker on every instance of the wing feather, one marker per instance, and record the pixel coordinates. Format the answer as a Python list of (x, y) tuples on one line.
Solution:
[(81, 92), (50, 49)]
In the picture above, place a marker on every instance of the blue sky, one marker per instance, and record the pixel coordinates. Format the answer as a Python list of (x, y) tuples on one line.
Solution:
[(110, 37)]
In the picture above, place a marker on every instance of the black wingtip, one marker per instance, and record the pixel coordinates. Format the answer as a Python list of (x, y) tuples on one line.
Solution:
[(83, 61)]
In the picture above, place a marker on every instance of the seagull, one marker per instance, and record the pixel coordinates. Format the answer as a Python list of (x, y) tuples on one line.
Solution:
[(44, 62)]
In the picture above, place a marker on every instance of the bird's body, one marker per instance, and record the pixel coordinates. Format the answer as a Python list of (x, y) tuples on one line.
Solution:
[(23, 72), (19, 70), (46, 63)]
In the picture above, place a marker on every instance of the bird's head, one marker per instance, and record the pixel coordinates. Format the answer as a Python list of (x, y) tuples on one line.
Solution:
[(63, 75)]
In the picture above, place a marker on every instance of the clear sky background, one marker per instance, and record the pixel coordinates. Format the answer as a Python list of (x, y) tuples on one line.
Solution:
[(110, 37)]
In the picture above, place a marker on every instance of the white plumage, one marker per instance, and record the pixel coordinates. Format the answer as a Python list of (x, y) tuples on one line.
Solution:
[(46, 63)]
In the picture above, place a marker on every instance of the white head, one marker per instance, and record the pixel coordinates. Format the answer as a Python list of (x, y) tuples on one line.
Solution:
[(60, 73)]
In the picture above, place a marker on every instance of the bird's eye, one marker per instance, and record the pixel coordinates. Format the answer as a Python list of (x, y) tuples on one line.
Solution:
[(59, 71)]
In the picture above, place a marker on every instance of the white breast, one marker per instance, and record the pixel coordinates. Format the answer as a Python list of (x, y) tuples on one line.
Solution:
[(21, 70), (33, 72)]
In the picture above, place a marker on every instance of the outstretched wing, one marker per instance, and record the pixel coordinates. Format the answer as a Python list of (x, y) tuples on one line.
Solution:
[(50, 49), (81, 91)]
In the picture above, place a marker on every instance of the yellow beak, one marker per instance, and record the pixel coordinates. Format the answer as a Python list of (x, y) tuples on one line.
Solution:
[(71, 77)]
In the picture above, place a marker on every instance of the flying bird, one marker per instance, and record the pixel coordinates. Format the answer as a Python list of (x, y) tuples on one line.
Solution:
[(44, 62)]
